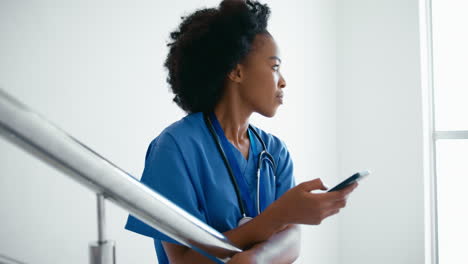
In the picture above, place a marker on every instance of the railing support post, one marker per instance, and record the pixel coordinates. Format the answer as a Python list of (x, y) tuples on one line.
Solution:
[(102, 251), (45, 141)]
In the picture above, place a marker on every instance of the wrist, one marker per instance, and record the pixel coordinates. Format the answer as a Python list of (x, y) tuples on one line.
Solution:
[(275, 218), (259, 229)]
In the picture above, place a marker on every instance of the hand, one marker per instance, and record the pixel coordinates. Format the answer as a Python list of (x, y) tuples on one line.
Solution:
[(245, 257), (258, 254), (300, 206)]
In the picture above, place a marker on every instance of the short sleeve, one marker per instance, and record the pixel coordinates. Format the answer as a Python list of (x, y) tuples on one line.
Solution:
[(166, 172), (284, 172)]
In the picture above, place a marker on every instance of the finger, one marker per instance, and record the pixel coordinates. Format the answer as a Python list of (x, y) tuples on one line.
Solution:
[(348, 189), (331, 212), (331, 197), (326, 187), (339, 204), (315, 184), (341, 194)]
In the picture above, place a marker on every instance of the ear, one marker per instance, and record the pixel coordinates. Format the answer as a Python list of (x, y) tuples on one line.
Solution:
[(236, 74)]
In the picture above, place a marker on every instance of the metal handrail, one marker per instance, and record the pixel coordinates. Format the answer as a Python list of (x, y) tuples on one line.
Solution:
[(8, 260), (49, 143)]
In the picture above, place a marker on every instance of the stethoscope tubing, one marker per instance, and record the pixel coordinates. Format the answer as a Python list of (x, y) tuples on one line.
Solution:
[(264, 155), (226, 162)]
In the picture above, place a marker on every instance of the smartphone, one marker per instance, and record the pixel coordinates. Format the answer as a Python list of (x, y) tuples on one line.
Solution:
[(352, 179)]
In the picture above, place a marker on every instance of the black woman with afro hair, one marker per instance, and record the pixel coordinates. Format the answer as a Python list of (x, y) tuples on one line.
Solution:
[(223, 66)]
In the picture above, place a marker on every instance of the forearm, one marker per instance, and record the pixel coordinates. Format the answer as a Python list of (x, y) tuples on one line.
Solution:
[(283, 247), (257, 230)]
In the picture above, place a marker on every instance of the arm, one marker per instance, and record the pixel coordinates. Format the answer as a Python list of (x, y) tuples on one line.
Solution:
[(258, 230), (297, 206), (283, 247)]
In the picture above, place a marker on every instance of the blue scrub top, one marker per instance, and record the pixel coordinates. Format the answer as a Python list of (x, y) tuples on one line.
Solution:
[(184, 165)]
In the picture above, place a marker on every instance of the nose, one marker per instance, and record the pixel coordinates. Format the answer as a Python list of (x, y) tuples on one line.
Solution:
[(282, 82)]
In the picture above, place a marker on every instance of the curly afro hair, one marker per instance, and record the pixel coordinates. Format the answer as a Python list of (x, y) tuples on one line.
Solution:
[(207, 45)]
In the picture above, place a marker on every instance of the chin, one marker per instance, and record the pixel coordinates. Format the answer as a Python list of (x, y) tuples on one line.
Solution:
[(269, 113)]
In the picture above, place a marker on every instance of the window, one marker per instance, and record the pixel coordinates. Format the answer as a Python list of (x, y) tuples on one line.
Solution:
[(450, 58), (452, 201), (447, 140)]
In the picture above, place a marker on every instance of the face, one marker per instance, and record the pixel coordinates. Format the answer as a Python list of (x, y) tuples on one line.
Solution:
[(261, 83)]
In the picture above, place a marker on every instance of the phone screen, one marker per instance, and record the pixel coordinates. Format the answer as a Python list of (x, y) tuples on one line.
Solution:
[(350, 180)]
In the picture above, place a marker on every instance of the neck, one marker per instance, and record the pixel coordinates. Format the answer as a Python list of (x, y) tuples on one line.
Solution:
[(234, 119)]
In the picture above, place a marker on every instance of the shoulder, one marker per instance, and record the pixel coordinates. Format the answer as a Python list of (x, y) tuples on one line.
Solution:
[(181, 133), (185, 126)]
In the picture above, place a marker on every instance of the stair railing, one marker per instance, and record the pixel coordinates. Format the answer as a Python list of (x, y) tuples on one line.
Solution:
[(34, 134)]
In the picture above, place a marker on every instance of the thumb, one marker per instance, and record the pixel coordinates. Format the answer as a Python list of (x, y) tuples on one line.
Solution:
[(315, 184)]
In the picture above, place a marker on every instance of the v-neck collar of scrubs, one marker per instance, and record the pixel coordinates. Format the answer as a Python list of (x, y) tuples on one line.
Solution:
[(239, 156), (243, 162), (238, 164)]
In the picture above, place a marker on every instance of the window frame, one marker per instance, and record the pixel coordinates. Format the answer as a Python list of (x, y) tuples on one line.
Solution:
[(430, 135)]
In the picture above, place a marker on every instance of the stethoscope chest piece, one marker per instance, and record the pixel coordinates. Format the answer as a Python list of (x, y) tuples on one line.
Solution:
[(244, 220)]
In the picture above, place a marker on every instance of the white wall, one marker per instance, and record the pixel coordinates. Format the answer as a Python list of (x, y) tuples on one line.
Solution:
[(95, 69), (380, 127), (306, 32)]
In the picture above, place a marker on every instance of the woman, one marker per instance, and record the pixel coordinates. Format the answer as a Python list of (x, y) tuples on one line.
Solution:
[(224, 66)]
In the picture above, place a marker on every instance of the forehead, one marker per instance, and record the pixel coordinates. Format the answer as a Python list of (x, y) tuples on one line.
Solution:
[(264, 46)]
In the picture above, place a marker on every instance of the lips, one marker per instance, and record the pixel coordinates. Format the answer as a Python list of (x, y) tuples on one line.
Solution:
[(280, 98)]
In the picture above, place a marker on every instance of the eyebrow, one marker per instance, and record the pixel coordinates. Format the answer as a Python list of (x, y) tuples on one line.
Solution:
[(275, 58)]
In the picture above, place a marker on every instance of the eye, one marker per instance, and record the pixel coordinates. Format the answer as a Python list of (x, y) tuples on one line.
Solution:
[(276, 67)]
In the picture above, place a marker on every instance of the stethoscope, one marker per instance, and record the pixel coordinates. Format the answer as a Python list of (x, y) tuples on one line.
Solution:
[(263, 156)]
